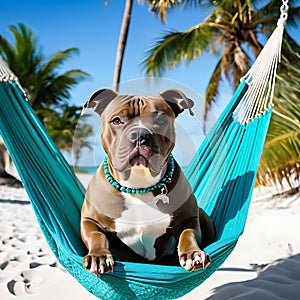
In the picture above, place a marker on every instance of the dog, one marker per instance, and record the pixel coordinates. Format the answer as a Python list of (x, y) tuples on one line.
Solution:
[(139, 207)]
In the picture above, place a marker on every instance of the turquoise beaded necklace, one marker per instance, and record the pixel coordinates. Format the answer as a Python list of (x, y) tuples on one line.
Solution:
[(166, 179)]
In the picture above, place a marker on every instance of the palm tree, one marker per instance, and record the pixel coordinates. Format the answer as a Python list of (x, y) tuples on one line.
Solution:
[(46, 88), (68, 129), (61, 124), (6, 178), (39, 77), (234, 29), (80, 141), (122, 43), (159, 7)]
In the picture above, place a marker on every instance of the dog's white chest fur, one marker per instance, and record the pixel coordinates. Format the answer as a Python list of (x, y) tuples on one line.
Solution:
[(141, 224)]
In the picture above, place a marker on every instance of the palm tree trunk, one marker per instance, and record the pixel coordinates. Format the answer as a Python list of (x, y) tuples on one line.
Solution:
[(2, 160), (122, 43), (5, 178)]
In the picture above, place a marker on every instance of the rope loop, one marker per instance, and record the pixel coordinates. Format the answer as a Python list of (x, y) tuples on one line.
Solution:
[(283, 12)]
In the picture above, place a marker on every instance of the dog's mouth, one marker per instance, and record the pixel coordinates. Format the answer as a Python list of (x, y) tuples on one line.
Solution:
[(140, 156), (143, 157), (139, 160), (143, 149)]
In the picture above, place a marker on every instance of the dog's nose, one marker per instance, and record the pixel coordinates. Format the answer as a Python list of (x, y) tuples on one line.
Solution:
[(139, 136)]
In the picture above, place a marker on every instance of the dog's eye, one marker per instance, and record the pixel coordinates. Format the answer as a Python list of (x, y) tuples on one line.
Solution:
[(117, 121), (160, 121)]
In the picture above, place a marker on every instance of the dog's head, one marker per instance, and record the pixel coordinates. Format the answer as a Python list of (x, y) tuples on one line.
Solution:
[(138, 131)]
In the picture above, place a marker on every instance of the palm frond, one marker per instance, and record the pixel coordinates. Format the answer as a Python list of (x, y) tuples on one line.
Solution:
[(161, 7), (7, 51), (269, 13), (58, 59), (241, 59), (212, 89), (57, 88), (26, 46), (255, 45), (280, 160), (174, 47), (281, 154)]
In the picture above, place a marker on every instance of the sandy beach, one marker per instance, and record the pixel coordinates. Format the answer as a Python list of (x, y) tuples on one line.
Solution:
[(264, 265)]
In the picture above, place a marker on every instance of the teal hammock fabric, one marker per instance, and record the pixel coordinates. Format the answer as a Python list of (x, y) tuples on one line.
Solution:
[(57, 196), (222, 175)]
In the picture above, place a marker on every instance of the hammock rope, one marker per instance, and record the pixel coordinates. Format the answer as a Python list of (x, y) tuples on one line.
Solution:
[(222, 175), (261, 77)]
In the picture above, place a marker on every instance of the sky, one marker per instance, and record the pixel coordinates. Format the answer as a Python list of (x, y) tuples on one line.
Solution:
[(93, 27)]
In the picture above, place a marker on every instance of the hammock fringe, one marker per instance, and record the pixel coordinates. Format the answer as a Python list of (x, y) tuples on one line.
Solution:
[(261, 80)]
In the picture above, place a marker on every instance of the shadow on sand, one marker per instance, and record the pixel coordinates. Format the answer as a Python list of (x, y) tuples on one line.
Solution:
[(278, 280)]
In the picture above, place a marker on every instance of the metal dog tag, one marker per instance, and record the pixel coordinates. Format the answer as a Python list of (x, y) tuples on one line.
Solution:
[(162, 196)]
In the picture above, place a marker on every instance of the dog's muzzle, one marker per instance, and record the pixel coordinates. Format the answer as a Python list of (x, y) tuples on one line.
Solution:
[(141, 144), (140, 137)]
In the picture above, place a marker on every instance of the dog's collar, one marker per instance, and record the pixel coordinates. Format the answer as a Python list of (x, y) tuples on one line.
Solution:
[(162, 184)]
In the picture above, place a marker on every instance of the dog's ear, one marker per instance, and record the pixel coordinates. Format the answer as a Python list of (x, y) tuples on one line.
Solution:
[(100, 99), (178, 101)]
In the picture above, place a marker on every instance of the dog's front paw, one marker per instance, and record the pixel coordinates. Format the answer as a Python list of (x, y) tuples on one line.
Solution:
[(99, 263), (192, 261)]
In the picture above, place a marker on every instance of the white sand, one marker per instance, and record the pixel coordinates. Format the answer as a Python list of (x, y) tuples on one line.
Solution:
[(264, 265)]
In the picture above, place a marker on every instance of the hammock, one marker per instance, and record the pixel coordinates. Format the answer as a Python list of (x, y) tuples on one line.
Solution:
[(222, 175)]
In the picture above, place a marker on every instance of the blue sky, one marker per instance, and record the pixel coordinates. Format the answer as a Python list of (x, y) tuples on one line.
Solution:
[(94, 27)]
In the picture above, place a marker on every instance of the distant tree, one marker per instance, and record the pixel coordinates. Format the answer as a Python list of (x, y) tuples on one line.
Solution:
[(45, 86), (66, 131), (47, 89), (83, 131), (161, 7), (6, 178)]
